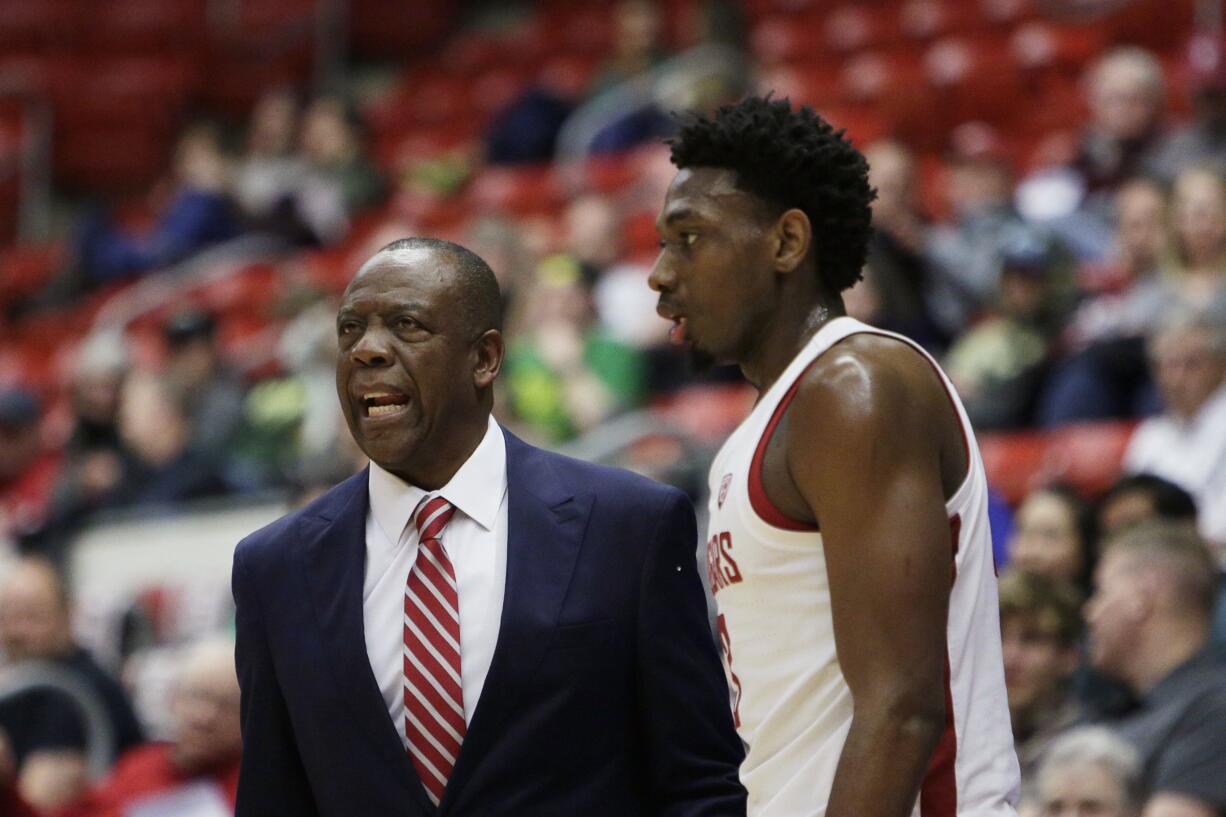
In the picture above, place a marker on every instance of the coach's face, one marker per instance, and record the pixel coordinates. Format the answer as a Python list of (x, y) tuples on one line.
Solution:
[(715, 265), (409, 373)]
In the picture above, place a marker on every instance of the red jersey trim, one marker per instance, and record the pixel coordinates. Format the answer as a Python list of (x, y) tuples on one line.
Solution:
[(758, 500), (939, 794)]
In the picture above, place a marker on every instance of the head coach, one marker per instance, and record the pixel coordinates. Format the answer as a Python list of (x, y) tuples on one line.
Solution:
[(472, 626)]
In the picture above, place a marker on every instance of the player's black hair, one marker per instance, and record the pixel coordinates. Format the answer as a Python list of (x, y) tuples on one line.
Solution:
[(1170, 501), (482, 303), (790, 158)]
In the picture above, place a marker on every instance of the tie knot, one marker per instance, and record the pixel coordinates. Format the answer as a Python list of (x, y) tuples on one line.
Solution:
[(433, 515)]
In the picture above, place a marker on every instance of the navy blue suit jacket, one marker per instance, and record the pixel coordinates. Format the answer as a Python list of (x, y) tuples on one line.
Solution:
[(605, 695)]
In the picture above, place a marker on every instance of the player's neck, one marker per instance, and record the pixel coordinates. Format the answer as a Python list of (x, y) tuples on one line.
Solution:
[(790, 327)]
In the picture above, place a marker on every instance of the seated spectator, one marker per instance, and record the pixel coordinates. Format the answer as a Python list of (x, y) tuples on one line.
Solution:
[(1040, 626), (161, 467), (27, 469), (268, 175), (44, 728), (1201, 142), (564, 374), (1137, 498), (211, 392), (1149, 627), (1089, 771), (1104, 374), (1187, 443), (1126, 95), (93, 455), (198, 215), (964, 256), (1053, 535), (999, 363), (196, 772), (340, 181), (1199, 214), (896, 272)]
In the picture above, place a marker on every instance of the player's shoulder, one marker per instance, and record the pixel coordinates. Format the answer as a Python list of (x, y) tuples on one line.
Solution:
[(869, 379)]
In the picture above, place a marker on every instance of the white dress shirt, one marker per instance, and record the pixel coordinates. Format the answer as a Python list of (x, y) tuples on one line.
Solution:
[(476, 543), (1190, 453)]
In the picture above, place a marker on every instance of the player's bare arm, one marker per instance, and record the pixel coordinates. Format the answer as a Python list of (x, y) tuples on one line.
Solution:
[(872, 448)]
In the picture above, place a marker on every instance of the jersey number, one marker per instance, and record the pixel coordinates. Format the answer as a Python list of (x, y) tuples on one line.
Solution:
[(734, 683)]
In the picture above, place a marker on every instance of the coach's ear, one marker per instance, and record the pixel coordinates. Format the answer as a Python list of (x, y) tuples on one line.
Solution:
[(793, 235)]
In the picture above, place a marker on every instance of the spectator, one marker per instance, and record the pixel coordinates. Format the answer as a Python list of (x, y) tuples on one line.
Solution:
[(1202, 142), (1137, 498), (896, 271), (211, 393), (1105, 374), (1053, 535), (45, 730), (161, 467), (93, 455), (564, 374), (1199, 214), (1187, 443), (1126, 93), (196, 772), (340, 180), (27, 470), (1040, 626), (999, 363), (199, 214), (638, 46), (1149, 627), (1089, 771), (268, 175), (965, 256)]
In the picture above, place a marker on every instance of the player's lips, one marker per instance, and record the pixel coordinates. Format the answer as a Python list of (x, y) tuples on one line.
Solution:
[(677, 335)]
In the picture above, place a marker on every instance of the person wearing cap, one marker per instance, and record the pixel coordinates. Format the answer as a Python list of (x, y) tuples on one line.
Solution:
[(998, 363), (212, 392)]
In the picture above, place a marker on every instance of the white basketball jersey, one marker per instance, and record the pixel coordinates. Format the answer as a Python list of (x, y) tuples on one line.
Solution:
[(791, 704)]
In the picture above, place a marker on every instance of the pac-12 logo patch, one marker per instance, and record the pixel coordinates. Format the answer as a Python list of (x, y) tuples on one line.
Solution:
[(723, 489)]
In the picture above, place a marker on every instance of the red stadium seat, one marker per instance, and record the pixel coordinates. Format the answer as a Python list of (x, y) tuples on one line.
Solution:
[(37, 24), (855, 28), (784, 39), (1086, 455), (524, 190)]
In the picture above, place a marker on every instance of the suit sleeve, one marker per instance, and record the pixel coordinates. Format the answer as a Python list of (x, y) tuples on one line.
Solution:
[(272, 781), (693, 751)]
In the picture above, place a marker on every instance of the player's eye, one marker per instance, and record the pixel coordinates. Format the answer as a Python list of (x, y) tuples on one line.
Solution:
[(689, 238)]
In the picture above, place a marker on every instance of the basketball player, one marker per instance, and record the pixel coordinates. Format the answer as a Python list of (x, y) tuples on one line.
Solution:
[(848, 547)]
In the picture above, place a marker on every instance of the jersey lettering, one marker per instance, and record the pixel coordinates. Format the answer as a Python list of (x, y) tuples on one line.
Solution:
[(721, 567)]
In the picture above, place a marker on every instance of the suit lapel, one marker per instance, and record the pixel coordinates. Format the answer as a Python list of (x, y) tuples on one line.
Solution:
[(335, 567), (545, 526)]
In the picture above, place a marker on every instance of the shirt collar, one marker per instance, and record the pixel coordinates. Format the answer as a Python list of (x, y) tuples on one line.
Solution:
[(476, 489)]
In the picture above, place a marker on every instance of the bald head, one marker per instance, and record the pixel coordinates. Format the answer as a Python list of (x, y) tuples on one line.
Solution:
[(34, 616), (481, 304), (207, 730)]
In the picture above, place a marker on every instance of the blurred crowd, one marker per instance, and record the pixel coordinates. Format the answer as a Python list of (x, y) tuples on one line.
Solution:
[(1084, 283)]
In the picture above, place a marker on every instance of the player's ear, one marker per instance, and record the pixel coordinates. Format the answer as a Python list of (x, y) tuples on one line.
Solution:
[(793, 234)]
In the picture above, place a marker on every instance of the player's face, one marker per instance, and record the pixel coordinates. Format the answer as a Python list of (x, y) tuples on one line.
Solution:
[(404, 373), (714, 272)]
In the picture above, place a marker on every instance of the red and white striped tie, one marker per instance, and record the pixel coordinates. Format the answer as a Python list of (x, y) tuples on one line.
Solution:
[(433, 692)]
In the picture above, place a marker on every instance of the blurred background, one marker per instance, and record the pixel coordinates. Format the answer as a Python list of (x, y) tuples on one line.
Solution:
[(186, 186)]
